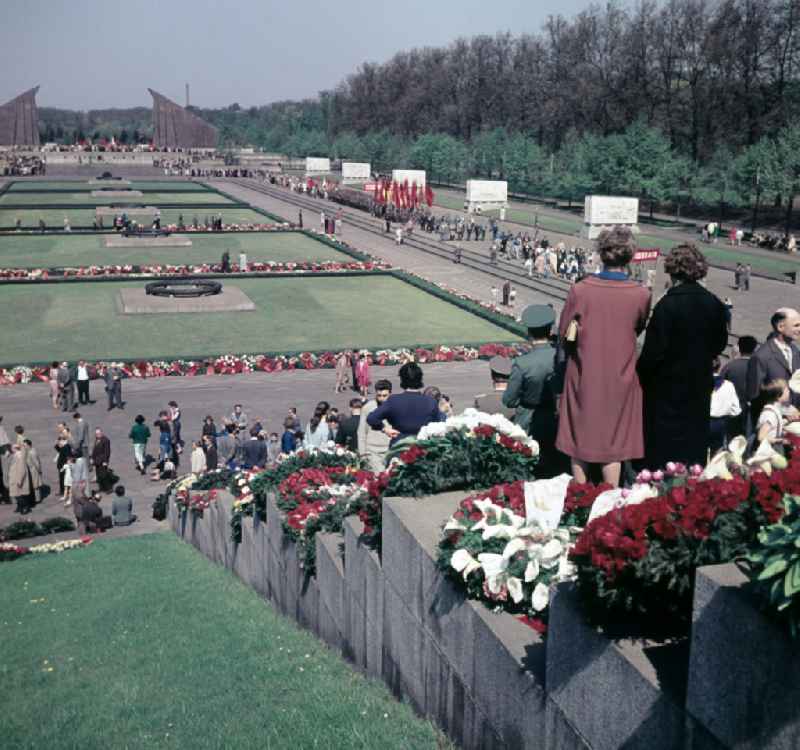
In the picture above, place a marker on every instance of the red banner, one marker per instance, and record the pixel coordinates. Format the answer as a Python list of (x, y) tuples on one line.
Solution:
[(646, 255)]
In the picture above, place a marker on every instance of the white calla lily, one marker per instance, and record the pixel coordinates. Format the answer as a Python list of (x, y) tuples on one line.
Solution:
[(736, 448), (717, 467), (541, 597), (531, 571), (551, 552), (762, 459), (463, 562), (515, 589)]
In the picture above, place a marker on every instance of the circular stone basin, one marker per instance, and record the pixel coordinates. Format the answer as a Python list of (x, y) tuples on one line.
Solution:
[(183, 288)]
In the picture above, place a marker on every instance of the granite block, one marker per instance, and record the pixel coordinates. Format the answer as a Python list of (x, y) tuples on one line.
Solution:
[(404, 651), (615, 693), (744, 669), (411, 533), (330, 577), (364, 586)]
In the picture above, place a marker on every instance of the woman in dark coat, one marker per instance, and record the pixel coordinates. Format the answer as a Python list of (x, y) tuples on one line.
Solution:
[(687, 331), (600, 417)]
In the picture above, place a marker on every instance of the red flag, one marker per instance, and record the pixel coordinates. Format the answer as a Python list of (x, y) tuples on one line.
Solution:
[(428, 195), (395, 194), (404, 194), (414, 195)]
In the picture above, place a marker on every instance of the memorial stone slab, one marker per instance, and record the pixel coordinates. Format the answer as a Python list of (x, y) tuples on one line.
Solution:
[(615, 693), (744, 669)]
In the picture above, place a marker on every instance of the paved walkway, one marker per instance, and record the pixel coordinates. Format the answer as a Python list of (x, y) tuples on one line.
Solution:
[(266, 397), (751, 310)]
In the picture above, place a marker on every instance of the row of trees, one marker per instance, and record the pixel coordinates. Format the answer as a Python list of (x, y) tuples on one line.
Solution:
[(706, 72)]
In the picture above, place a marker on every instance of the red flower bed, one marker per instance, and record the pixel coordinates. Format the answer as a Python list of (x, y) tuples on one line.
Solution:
[(638, 561)]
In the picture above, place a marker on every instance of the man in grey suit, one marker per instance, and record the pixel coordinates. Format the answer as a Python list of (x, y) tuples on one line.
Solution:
[(66, 387), (113, 378), (778, 357), (80, 435)]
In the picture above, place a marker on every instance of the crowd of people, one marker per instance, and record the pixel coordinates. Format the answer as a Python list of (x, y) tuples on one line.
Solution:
[(21, 165)]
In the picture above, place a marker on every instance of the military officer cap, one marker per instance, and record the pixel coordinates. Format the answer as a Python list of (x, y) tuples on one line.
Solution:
[(538, 316), (500, 365)]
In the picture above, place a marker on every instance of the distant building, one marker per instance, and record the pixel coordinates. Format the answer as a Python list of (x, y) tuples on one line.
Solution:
[(176, 127), (19, 120)]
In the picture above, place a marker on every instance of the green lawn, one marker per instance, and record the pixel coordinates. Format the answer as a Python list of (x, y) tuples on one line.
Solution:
[(522, 216), (143, 643), (44, 322), (157, 185), (716, 254), (82, 217), (50, 251), (27, 198)]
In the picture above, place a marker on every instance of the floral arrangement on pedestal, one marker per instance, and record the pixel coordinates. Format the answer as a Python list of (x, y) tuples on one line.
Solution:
[(507, 545), (318, 499), (637, 556), (471, 450), (191, 500)]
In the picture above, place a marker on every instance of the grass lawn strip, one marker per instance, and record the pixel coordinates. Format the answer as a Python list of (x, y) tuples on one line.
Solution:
[(86, 198), (83, 217), (182, 655), (717, 254), (63, 321), (34, 186), (56, 250)]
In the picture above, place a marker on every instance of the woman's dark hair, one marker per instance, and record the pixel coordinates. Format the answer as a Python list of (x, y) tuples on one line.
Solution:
[(686, 263), (433, 392), (316, 419), (323, 407), (616, 246), (410, 376), (139, 419)]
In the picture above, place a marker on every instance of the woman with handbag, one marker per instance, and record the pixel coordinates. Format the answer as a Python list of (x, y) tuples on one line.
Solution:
[(600, 416)]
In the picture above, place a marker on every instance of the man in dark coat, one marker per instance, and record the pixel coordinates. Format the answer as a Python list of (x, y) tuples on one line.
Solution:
[(736, 372), (778, 357), (686, 331), (101, 456), (347, 434)]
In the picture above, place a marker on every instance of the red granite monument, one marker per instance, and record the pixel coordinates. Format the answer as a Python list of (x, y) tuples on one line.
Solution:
[(19, 120), (176, 127)]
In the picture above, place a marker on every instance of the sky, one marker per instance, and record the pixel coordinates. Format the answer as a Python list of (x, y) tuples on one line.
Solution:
[(87, 54)]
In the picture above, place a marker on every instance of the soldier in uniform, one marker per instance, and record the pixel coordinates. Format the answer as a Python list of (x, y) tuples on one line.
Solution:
[(492, 403), (532, 388)]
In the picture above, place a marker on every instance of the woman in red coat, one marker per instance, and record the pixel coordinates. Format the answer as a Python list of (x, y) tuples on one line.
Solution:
[(600, 419)]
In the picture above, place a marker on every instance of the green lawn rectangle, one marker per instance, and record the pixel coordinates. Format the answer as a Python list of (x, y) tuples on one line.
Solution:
[(81, 185), (143, 643), (148, 198), (44, 322), (83, 217), (65, 249)]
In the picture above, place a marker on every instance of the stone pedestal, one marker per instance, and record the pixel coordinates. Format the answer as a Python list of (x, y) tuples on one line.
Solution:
[(614, 692), (744, 670)]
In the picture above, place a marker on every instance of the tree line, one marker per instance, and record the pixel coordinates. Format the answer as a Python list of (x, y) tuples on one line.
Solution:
[(681, 101)]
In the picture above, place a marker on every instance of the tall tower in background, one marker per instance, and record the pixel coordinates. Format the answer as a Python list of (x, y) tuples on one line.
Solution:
[(187, 94)]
